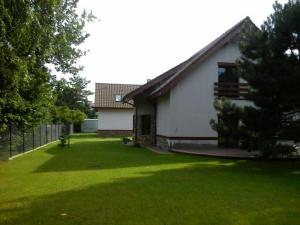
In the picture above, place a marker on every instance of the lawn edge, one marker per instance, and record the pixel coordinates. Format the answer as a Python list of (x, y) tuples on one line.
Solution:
[(35, 149)]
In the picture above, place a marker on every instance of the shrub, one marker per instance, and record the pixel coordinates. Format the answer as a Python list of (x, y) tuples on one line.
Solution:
[(277, 151), (64, 140), (125, 140)]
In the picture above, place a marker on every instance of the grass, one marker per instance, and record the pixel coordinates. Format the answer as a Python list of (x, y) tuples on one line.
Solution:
[(100, 181)]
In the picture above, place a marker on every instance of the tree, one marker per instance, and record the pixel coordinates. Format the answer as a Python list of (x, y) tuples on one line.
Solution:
[(270, 63), (73, 94), (227, 124), (67, 116), (33, 35)]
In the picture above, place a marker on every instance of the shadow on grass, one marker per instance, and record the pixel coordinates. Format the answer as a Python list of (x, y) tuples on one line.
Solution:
[(204, 192), (88, 153), (97, 154)]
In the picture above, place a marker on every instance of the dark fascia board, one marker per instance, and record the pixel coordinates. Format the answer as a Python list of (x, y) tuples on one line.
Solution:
[(151, 83)]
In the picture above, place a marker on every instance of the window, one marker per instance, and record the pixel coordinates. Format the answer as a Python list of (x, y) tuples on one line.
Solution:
[(118, 98), (145, 124), (227, 74)]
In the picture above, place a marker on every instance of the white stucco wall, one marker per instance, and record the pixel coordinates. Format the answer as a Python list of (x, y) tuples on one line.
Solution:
[(191, 101), (163, 115), (115, 119)]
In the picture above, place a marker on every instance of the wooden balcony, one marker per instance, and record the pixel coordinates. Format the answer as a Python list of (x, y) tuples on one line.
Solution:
[(231, 90)]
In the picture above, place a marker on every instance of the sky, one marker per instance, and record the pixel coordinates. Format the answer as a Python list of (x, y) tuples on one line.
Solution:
[(135, 40)]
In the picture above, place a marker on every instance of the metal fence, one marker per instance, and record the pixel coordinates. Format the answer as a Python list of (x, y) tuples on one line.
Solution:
[(15, 140)]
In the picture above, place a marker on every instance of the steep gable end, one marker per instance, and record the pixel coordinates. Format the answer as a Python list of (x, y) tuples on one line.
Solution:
[(168, 80)]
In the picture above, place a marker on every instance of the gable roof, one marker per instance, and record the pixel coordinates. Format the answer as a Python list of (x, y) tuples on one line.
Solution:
[(105, 95), (163, 83)]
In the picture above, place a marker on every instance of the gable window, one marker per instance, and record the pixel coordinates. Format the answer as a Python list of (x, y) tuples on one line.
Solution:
[(227, 73), (145, 124), (118, 98)]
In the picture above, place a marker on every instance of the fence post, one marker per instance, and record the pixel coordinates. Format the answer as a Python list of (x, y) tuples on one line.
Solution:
[(51, 132), (55, 132), (46, 133), (23, 136), (40, 135), (32, 138), (10, 139)]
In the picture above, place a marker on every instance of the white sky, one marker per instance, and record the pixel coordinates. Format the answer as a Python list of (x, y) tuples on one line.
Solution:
[(135, 40)]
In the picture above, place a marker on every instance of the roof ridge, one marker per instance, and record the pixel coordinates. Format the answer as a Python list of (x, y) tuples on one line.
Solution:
[(118, 84)]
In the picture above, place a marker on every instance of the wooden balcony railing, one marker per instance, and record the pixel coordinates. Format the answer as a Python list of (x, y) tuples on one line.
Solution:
[(231, 90)]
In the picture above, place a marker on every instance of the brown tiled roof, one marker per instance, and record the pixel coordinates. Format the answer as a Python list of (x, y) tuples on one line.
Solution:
[(105, 95), (169, 79)]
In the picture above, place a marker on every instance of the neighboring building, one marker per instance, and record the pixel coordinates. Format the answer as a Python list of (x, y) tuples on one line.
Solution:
[(115, 118), (175, 108)]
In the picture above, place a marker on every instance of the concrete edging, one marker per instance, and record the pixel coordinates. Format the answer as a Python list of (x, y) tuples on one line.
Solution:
[(24, 153), (212, 155)]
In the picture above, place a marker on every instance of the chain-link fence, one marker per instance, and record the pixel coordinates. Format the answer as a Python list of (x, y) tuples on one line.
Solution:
[(16, 140)]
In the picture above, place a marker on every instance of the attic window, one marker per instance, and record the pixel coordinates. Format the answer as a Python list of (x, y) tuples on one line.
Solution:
[(118, 98)]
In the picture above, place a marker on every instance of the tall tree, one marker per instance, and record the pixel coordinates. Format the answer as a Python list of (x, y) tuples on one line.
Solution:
[(73, 94), (33, 35), (270, 63)]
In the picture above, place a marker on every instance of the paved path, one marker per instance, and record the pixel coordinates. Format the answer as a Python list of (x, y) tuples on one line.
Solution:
[(223, 153)]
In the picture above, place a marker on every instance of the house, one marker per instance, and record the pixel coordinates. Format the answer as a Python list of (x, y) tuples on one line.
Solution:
[(115, 118), (175, 109)]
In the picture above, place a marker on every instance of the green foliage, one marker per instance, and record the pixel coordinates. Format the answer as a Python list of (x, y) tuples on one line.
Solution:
[(270, 63), (242, 127), (35, 34), (67, 116), (279, 150), (227, 124), (125, 140), (64, 140), (73, 94)]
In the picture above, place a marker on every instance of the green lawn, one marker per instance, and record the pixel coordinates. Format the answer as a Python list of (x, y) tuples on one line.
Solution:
[(100, 181)]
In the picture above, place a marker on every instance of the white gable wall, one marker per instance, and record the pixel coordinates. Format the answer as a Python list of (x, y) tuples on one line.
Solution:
[(191, 101), (115, 119)]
